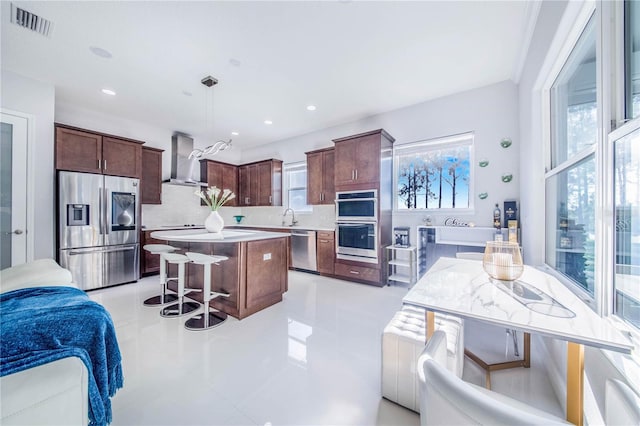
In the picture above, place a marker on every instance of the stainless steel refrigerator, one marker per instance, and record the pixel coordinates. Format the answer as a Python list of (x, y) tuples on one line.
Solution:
[(98, 228)]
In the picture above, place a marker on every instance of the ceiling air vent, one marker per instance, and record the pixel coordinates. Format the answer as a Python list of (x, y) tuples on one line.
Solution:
[(31, 21)]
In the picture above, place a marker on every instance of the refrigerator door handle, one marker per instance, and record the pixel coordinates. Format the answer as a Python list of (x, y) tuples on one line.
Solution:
[(116, 250), (100, 250), (105, 207), (100, 209)]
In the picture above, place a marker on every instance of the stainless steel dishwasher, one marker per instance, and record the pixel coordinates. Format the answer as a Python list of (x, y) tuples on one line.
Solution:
[(303, 250)]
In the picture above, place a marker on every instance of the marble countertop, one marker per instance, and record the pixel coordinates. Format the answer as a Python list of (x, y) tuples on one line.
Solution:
[(536, 303), (227, 236), (293, 228)]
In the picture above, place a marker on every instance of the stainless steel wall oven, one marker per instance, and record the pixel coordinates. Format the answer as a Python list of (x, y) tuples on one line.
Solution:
[(357, 206), (357, 241)]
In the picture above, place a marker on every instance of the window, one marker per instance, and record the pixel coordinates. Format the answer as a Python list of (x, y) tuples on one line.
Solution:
[(627, 224), (570, 185), (295, 187), (632, 58), (434, 174), (592, 186)]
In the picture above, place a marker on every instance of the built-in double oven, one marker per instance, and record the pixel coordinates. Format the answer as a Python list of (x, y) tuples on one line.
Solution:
[(357, 225)]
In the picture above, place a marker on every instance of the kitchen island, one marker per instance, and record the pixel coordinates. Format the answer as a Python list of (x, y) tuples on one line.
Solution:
[(255, 275)]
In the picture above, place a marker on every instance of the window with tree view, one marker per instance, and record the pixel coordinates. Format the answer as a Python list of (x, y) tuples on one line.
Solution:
[(434, 174)]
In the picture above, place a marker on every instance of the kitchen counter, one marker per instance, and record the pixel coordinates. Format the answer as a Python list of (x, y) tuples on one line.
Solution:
[(227, 236), (283, 227), (255, 274)]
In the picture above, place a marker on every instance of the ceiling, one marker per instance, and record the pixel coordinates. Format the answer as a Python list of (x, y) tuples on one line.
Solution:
[(352, 59)]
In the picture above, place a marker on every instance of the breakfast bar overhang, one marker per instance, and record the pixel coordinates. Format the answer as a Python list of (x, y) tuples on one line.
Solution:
[(255, 275)]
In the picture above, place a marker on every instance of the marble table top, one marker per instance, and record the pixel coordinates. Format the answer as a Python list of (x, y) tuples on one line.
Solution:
[(535, 303), (227, 236)]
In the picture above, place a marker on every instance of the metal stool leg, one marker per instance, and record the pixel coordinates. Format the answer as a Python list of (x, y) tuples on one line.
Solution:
[(209, 318), (182, 307), (163, 298)]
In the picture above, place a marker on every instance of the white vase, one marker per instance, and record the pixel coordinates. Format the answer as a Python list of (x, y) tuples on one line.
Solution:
[(214, 222)]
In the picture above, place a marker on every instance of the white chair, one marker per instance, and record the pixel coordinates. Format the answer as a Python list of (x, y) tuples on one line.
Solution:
[(446, 399), (181, 308), (622, 405), (163, 298), (208, 319), (472, 255)]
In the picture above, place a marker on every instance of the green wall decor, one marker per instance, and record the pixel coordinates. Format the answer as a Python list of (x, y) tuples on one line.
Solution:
[(507, 177), (483, 163), (505, 142), (483, 195)]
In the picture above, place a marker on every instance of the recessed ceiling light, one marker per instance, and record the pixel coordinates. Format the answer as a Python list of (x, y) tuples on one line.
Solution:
[(268, 122), (108, 92), (235, 62), (186, 93), (235, 134), (311, 107), (99, 51)]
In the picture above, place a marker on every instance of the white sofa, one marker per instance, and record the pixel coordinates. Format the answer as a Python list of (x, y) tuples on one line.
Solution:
[(50, 394)]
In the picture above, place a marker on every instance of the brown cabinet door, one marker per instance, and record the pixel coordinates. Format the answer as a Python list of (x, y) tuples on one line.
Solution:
[(151, 180), (149, 263), (315, 178), (230, 181), (326, 254), (266, 272), (345, 161), (320, 177), (121, 158), (328, 185), (78, 151), (265, 195), (244, 185), (367, 159), (223, 176)]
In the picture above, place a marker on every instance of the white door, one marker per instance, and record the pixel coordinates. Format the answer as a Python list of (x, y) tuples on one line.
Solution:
[(13, 189)]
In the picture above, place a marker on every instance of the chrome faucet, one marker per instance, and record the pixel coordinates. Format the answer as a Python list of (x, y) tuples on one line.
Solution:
[(293, 216)]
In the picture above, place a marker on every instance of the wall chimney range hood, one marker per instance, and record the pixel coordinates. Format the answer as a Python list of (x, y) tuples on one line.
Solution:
[(184, 170)]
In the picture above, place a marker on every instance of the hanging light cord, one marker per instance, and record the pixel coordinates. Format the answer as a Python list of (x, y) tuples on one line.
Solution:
[(210, 150)]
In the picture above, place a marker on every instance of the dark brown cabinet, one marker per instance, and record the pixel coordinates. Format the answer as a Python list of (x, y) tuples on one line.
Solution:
[(221, 175), (149, 263), (326, 252), (85, 151), (357, 160), (320, 176), (151, 180), (260, 183)]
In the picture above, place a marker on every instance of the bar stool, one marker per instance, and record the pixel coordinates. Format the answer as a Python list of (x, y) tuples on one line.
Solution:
[(182, 307), (163, 298), (208, 318)]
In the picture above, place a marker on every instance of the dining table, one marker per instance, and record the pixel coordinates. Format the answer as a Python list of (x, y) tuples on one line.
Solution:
[(535, 303)]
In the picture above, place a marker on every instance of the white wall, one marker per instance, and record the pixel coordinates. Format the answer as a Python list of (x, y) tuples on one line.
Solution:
[(491, 112), (531, 151), (36, 98), (153, 136)]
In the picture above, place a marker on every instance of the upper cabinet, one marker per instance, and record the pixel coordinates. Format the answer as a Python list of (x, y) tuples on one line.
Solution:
[(320, 176), (260, 183), (85, 151), (221, 175), (357, 159), (151, 180)]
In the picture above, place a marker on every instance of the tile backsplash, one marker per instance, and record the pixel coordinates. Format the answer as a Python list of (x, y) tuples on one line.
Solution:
[(180, 206)]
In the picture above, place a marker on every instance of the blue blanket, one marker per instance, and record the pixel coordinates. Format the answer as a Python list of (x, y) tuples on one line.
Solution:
[(43, 324)]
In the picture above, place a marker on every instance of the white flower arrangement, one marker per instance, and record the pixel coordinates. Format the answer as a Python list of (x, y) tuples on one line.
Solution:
[(215, 198)]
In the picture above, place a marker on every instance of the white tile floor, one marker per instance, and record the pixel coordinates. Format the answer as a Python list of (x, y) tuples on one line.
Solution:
[(312, 359)]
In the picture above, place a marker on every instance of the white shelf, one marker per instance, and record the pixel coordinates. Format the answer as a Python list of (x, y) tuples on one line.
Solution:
[(400, 278), (402, 264)]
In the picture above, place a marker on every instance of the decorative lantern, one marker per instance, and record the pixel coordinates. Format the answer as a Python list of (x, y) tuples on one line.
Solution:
[(503, 260)]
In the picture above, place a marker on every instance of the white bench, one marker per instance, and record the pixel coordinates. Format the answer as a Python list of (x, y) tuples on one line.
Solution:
[(403, 341)]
